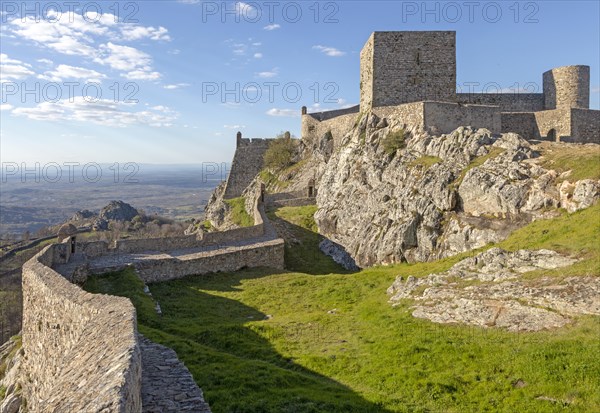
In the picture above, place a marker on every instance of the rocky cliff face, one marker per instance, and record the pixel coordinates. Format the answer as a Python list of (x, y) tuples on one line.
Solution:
[(11, 395), (392, 193)]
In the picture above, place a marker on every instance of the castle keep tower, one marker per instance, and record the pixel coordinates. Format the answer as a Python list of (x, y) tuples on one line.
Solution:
[(567, 87), (404, 67)]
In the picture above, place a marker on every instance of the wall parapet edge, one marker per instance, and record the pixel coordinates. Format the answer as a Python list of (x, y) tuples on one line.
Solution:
[(72, 337)]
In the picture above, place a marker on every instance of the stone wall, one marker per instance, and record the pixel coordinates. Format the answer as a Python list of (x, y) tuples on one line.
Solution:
[(521, 123), (508, 102), (81, 350), (585, 125), (442, 117), (316, 125), (409, 113), (567, 87), (247, 163), (264, 254), (156, 244), (411, 66), (558, 120)]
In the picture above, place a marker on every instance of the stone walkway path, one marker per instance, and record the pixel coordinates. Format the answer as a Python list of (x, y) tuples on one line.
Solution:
[(167, 385)]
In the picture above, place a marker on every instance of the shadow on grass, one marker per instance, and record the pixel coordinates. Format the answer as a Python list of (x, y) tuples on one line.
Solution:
[(231, 360), (302, 253)]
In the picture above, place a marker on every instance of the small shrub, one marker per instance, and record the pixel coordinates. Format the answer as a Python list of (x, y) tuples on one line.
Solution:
[(393, 141), (363, 137), (280, 153)]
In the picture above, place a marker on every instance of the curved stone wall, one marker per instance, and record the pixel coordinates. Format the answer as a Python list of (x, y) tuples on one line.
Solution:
[(567, 87), (81, 349)]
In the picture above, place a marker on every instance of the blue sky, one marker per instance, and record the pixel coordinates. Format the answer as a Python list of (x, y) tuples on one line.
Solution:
[(173, 59)]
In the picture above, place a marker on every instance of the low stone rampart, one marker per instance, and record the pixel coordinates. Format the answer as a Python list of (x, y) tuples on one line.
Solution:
[(263, 254), (81, 350)]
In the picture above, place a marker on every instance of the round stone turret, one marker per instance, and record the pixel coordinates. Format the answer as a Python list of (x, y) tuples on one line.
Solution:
[(567, 87), (66, 231)]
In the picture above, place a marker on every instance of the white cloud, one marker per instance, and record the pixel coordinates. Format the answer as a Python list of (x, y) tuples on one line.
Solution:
[(13, 68), (268, 74), (271, 27), (5, 107), (141, 75), (246, 10), (94, 37), (290, 113), (596, 89), (234, 126), (176, 86), (136, 63), (72, 72), (329, 51), (123, 58), (258, 55), (102, 112), (46, 62), (134, 32)]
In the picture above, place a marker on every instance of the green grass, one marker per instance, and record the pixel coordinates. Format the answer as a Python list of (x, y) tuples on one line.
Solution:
[(304, 255), (393, 141), (272, 181), (238, 213), (582, 161), (576, 234), (426, 161), (366, 356)]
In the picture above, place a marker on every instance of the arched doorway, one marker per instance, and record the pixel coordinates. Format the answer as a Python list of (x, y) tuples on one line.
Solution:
[(551, 135)]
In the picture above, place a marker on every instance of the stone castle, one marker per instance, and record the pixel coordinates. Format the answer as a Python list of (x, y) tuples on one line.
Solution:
[(413, 74), (82, 351)]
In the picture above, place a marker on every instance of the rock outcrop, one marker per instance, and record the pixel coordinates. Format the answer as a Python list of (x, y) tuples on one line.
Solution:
[(11, 397), (115, 211), (424, 197), (488, 291)]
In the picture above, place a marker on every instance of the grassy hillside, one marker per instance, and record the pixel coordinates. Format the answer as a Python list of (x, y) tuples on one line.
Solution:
[(259, 341)]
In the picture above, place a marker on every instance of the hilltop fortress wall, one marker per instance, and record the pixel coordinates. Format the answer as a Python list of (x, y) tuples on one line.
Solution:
[(436, 117), (81, 350), (247, 163), (412, 74)]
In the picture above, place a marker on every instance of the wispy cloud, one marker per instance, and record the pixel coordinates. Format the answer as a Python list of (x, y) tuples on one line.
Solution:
[(290, 113), (95, 37), (268, 74), (13, 68), (63, 72), (101, 112), (258, 55), (176, 86), (329, 51), (272, 27)]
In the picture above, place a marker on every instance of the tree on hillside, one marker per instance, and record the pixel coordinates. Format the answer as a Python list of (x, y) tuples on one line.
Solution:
[(280, 153)]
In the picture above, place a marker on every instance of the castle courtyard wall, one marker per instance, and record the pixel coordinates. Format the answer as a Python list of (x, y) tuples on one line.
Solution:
[(507, 102), (585, 125), (557, 119), (443, 117)]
